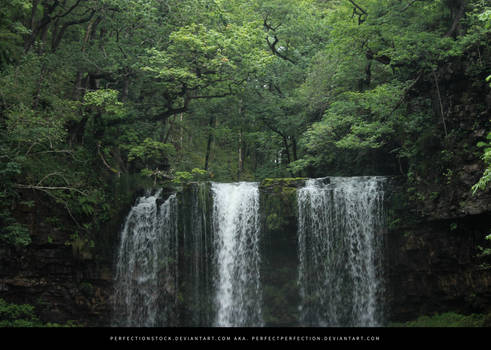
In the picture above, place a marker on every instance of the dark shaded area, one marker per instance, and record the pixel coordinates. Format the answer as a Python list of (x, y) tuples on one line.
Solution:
[(279, 251)]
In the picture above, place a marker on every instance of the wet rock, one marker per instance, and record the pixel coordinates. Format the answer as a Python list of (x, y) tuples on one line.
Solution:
[(436, 267)]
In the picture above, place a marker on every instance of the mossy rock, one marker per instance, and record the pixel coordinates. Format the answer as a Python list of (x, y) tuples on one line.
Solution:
[(276, 183), (279, 203), (273, 222)]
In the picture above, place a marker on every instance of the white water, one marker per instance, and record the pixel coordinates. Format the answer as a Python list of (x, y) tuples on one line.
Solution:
[(340, 237), (145, 276), (182, 264), (236, 229)]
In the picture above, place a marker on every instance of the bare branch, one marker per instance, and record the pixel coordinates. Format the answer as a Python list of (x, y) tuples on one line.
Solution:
[(65, 205), (406, 91), (104, 160), (358, 7), (48, 188), (272, 46), (57, 38), (409, 4), (440, 101), (52, 174), (211, 96), (360, 14), (75, 5)]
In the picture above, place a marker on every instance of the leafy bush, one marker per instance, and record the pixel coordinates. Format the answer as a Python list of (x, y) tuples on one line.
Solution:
[(448, 319), (23, 315), (13, 315), (184, 177)]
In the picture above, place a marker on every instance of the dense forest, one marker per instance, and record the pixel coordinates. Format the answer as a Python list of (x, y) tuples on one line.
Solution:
[(99, 98)]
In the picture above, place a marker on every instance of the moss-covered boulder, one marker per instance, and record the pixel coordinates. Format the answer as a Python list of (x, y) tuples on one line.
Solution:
[(278, 184)]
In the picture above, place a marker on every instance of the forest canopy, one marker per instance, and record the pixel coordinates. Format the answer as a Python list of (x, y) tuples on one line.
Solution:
[(96, 91)]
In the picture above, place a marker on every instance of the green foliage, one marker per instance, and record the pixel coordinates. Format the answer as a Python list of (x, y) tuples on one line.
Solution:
[(185, 177), (448, 319), (356, 120), (362, 83), (151, 152), (24, 315), (105, 100), (82, 247), (11, 30), (13, 315), (92, 92), (485, 179), (16, 233), (485, 252)]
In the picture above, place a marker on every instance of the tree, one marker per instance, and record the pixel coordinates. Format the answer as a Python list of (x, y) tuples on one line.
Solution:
[(364, 82)]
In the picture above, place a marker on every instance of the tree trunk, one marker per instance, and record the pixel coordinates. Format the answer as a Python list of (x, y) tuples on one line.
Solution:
[(287, 151), (294, 148), (457, 16), (240, 159), (126, 88), (211, 125), (77, 93)]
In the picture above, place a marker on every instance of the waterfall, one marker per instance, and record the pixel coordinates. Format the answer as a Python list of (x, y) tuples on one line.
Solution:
[(180, 263), (194, 259), (340, 223), (236, 228), (146, 279)]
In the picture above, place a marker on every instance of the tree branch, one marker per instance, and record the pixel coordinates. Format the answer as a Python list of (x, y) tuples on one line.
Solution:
[(57, 38), (275, 51), (406, 91), (409, 4), (382, 59), (358, 7), (272, 45), (65, 205), (46, 188), (52, 174), (360, 14), (104, 160), (268, 26), (457, 19), (440, 101), (211, 96), (69, 10)]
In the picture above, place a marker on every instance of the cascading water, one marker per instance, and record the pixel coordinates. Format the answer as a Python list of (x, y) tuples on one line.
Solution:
[(195, 258), (340, 223), (182, 264), (236, 228), (146, 279)]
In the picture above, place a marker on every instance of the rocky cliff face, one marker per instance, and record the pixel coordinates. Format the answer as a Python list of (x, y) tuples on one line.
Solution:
[(436, 264), (435, 268), (436, 224), (433, 264), (65, 277), (61, 285)]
